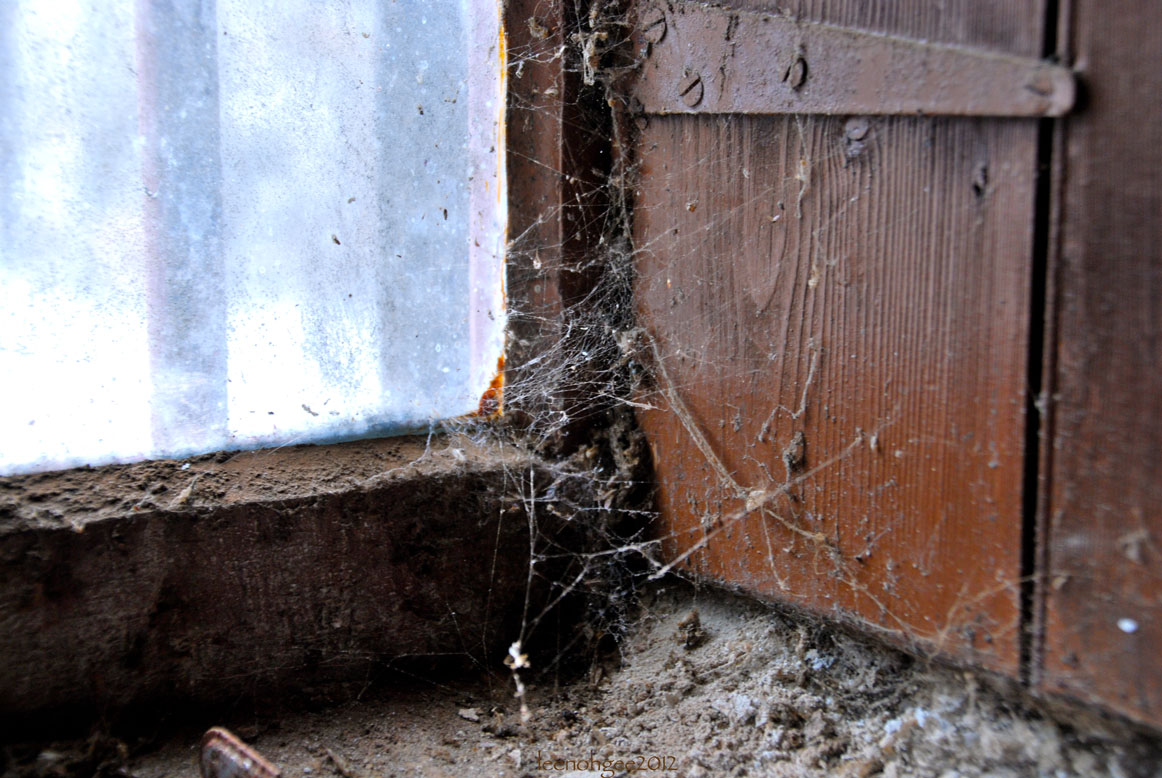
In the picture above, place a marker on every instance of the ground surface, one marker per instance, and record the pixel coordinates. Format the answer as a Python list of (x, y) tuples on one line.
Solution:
[(708, 684)]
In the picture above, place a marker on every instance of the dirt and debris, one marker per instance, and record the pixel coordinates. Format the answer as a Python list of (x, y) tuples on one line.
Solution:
[(99, 756), (690, 633), (706, 684), (795, 455)]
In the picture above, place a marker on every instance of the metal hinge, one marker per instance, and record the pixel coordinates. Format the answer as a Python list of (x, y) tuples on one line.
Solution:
[(698, 58)]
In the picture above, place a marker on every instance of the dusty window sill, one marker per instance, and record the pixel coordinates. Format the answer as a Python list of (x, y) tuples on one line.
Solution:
[(76, 498)]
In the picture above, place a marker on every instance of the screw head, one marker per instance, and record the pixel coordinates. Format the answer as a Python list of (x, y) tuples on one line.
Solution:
[(653, 24), (796, 74), (637, 113), (690, 89), (856, 128)]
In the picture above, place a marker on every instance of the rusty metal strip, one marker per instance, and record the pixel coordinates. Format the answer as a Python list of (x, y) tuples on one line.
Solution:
[(704, 59), (225, 756)]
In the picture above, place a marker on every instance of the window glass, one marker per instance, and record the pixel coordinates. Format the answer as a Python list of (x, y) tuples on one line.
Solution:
[(231, 224)]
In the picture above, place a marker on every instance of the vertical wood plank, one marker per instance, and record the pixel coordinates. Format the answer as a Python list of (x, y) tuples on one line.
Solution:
[(534, 159), (839, 327), (559, 159), (1101, 584)]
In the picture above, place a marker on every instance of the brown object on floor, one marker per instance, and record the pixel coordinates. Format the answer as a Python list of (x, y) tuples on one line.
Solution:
[(225, 756)]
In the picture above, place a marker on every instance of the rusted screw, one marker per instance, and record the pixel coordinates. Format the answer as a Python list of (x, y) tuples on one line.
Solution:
[(796, 74), (1041, 83), (637, 112), (690, 89), (653, 23), (856, 128)]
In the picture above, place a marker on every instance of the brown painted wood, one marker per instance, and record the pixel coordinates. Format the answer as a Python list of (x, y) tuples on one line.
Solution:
[(839, 319), (1105, 507)]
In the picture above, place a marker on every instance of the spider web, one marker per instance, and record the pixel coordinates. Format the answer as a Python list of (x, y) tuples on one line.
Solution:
[(592, 372)]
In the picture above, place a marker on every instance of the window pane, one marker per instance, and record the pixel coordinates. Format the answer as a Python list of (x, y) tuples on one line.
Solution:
[(229, 224)]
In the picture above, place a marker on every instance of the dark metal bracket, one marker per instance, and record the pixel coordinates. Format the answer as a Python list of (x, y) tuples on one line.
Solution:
[(699, 58)]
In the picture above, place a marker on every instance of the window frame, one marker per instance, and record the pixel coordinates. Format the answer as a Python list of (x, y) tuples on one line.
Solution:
[(61, 530)]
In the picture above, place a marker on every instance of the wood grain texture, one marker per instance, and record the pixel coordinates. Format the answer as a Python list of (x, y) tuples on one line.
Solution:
[(840, 329), (1105, 507)]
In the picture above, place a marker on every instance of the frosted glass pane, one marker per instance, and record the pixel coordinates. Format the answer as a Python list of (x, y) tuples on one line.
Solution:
[(236, 223)]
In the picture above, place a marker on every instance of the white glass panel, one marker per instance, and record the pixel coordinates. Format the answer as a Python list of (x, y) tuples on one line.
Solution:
[(236, 223)]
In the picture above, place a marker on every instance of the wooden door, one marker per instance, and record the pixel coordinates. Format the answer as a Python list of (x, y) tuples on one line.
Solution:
[(840, 312), (1102, 490), (905, 367)]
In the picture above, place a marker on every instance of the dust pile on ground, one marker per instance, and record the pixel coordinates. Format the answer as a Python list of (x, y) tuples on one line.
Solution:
[(708, 684)]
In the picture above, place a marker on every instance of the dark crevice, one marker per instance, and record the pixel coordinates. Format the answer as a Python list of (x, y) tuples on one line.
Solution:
[(1038, 310)]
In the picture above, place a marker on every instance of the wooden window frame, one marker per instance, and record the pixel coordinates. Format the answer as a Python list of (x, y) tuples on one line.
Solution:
[(292, 572)]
